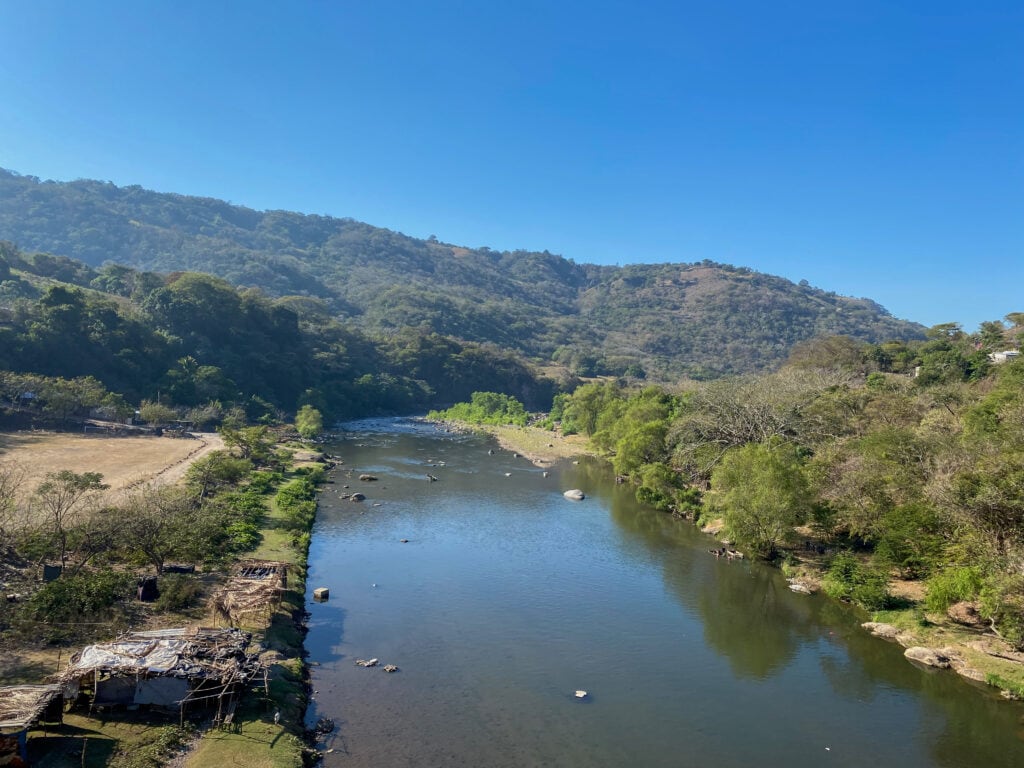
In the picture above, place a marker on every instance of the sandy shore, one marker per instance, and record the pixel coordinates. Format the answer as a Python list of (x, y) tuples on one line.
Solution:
[(540, 446)]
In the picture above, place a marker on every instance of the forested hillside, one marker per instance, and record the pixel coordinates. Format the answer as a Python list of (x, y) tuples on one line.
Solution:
[(657, 320), (77, 338)]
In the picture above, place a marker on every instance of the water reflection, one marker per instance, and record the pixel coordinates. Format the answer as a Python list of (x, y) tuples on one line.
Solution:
[(758, 625), (508, 597)]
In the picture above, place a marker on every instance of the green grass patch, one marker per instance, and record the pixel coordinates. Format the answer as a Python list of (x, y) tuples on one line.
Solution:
[(132, 741), (1014, 687), (254, 739)]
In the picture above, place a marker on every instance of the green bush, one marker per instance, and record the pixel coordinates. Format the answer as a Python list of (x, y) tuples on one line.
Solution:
[(297, 500), (74, 598), (485, 408), (953, 585), (243, 536), (263, 481), (178, 591), (314, 472), (911, 539), (1002, 601), (848, 578)]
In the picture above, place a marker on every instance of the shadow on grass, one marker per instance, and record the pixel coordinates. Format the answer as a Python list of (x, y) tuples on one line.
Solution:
[(70, 746), (16, 669), (900, 603)]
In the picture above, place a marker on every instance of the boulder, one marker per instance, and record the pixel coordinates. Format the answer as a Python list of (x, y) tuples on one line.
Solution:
[(574, 495), (878, 629), (965, 613), (931, 657), (367, 478)]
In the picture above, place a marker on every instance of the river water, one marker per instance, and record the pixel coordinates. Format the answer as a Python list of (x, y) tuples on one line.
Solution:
[(507, 598)]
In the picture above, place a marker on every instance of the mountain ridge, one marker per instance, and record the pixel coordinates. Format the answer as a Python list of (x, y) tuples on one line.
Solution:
[(665, 320)]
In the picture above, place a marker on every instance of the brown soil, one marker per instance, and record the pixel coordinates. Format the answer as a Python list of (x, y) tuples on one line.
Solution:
[(123, 461)]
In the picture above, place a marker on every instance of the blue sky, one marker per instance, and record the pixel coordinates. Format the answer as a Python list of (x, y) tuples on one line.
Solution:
[(872, 148)]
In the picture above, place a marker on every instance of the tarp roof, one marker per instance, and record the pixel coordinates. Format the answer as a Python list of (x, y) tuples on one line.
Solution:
[(176, 652)]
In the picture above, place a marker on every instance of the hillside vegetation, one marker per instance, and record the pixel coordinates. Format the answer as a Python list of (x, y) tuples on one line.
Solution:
[(111, 340), (662, 321), (916, 476)]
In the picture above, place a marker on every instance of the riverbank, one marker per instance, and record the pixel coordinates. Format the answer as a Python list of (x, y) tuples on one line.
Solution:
[(267, 728), (542, 447), (930, 639)]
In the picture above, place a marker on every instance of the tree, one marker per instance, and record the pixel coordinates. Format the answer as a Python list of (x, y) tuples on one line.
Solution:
[(63, 498), (155, 413), (253, 443), (763, 494), (63, 398), (216, 470), (866, 479), (841, 352), (992, 335), (990, 497), (309, 422), (160, 523), (11, 477), (1016, 319)]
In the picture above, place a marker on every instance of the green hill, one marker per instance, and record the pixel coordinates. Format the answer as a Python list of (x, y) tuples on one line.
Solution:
[(663, 320)]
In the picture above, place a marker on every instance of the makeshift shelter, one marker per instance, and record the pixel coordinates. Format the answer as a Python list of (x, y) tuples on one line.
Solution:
[(22, 707), (255, 588), (169, 669)]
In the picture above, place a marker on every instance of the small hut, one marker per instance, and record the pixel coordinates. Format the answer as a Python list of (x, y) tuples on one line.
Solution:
[(23, 707), (249, 597), (168, 669)]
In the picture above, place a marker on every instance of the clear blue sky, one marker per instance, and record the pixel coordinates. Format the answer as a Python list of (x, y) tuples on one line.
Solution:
[(872, 148)]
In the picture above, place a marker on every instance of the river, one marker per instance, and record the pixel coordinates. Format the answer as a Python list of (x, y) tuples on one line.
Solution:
[(507, 598)]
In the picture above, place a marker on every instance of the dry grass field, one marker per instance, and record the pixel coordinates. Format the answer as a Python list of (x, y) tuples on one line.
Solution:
[(123, 461)]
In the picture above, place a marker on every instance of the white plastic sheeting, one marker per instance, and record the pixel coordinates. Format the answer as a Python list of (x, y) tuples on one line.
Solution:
[(159, 656)]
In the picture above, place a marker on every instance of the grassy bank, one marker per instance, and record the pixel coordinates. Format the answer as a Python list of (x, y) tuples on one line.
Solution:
[(255, 739), (541, 446)]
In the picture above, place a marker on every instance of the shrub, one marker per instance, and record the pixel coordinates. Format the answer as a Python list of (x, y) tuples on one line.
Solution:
[(243, 536), (262, 481), (178, 591), (1002, 601), (848, 578), (911, 539), (165, 743), (73, 598), (953, 585), (297, 500)]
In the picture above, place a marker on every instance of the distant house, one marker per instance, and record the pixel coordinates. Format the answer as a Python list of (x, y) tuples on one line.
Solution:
[(1005, 356)]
